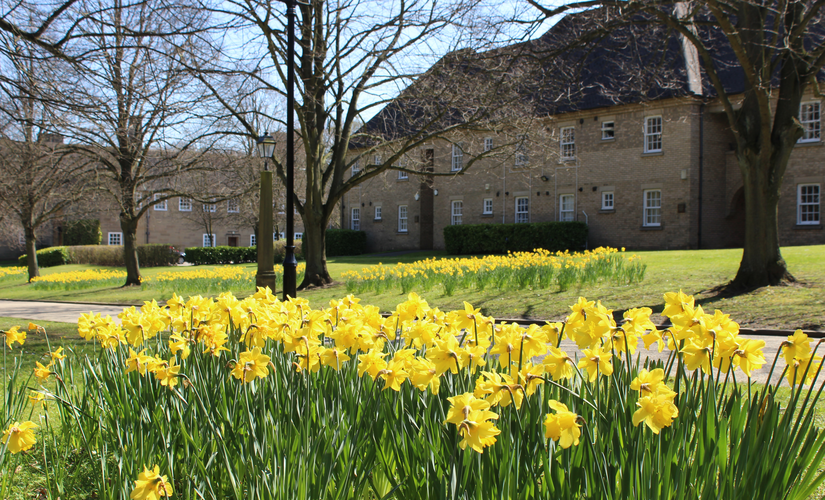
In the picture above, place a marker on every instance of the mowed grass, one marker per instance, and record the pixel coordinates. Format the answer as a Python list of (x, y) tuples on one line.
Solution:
[(695, 272)]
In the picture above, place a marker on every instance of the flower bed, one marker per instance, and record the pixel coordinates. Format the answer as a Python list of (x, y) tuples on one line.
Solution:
[(514, 271), (75, 280), (258, 398), (224, 278)]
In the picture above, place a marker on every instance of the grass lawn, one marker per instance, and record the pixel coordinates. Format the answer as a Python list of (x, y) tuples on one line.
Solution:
[(693, 271)]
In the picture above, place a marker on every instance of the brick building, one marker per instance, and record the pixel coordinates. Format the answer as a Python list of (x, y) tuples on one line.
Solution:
[(656, 171)]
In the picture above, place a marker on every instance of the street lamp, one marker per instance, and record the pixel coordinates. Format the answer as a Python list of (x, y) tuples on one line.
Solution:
[(290, 263), (266, 250)]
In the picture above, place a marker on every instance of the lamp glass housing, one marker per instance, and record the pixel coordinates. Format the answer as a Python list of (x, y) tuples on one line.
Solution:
[(266, 145)]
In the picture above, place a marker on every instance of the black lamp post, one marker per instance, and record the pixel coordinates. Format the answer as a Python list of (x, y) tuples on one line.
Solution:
[(266, 250), (290, 264)]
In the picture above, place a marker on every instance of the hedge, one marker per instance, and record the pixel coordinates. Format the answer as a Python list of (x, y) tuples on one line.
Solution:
[(82, 232), (501, 238), (153, 255), (345, 242), (49, 257), (237, 255)]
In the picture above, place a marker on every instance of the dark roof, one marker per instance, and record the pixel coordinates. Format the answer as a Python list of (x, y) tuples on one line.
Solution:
[(583, 62)]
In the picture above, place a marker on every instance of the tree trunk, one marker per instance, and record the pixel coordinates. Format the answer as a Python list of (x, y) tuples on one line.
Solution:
[(31, 253), (762, 263), (129, 227), (313, 246)]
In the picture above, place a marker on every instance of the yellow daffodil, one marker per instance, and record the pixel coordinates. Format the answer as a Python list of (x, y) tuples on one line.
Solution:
[(648, 382), (803, 369), (462, 406), (562, 426), (42, 372), (150, 485), (19, 437), (798, 345), (251, 365), (478, 431), (167, 373), (596, 361), (558, 364), (656, 410), (13, 335)]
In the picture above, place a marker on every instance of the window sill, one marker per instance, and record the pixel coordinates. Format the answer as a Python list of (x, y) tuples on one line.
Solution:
[(377, 220), (403, 232), (486, 216), (807, 144), (805, 227), (607, 211), (652, 228), (405, 179), (653, 153), (609, 139)]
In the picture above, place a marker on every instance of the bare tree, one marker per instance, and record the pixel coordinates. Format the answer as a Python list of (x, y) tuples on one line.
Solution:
[(39, 179), (778, 50), (353, 58), (141, 118)]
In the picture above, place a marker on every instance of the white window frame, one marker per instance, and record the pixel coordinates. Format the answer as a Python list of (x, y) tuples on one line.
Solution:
[(377, 212), (488, 144), (567, 207), (356, 169), (522, 213), (456, 212), (402, 219), (652, 213), (810, 116), (184, 205), (653, 129), (403, 175), (457, 157), (233, 206), (206, 240), (115, 239), (210, 207), (162, 205), (355, 219), (376, 159), (567, 143), (608, 130), (297, 236), (252, 240), (487, 207), (608, 200), (808, 210)]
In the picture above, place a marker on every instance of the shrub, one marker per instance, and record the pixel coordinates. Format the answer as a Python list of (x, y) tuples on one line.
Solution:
[(345, 242), (98, 255), (49, 257), (82, 232), (157, 255), (221, 255), (501, 238)]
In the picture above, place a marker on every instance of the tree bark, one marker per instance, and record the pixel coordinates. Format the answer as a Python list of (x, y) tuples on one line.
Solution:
[(31, 253), (313, 245), (762, 263), (129, 227)]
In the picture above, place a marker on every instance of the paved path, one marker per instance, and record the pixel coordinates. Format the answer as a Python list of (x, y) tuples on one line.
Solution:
[(70, 312), (54, 311)]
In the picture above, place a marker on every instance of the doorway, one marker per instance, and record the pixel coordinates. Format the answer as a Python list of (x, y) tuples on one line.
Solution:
[(232, 241)]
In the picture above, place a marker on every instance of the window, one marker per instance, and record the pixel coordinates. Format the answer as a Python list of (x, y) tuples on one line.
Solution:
[(521, 151), (568, 143), (402, 218), (653, 134), (356, 169), (233, 206), (488, 144), (402, 175), (210, 207), (376, 160), (298, 236), (355, 221), (456, 209), (276, 236), (377, 212), (607, 200), (608, 131), (809, 116), (653, 207), (488, 206), (185, 205), (160, 206), (209, 240), (807, 204), (522, 209), (567, 210), (252, 240), (21, 240), (458, 157), (115, 238)]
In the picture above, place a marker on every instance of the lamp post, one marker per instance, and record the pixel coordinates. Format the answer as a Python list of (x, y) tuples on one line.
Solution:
[(290, 264), (266, 250)]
